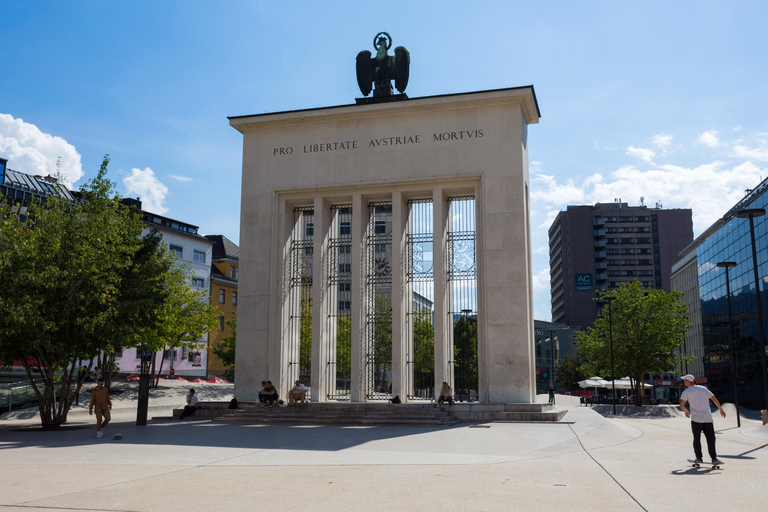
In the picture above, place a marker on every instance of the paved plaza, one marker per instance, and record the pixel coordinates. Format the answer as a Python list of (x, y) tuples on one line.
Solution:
[(587, 462)]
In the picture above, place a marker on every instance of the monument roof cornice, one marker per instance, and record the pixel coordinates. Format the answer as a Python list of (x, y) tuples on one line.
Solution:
[(524, 95)]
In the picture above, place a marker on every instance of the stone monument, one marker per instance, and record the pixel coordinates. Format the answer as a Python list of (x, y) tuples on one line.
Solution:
[(385, 246)]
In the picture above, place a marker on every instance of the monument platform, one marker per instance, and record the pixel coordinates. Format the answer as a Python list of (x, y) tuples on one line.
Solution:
[(421, 415)]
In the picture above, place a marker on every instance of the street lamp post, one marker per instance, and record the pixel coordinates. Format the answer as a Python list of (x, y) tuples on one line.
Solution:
[(728, 265), (751, 213), (609, 299)]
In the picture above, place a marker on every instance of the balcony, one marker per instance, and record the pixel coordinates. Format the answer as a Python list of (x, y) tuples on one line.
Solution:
[(599, 233), (602, 276), (599, 244), (600, 255), (598, 222), (601, 265)]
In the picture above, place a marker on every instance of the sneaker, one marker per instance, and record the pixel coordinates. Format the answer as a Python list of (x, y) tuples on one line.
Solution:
[(698, 460), (716, 461), (99, 434)]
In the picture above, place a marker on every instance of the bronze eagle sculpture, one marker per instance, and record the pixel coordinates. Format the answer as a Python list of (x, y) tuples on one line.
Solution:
[(383, 68)]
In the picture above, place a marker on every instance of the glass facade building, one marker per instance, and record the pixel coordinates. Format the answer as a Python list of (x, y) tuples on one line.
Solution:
[(729, 240)]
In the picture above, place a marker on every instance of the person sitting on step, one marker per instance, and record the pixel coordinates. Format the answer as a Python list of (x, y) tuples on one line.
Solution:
[(446, 394), (297, 393), (270, 394)]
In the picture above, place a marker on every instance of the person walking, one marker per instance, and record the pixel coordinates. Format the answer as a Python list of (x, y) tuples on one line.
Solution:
[(551, 392), (698, 398), (102, 404)]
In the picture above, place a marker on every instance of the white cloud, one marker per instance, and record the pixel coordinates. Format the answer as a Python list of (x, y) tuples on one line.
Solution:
[(662, 141), (737, 128), (541, 280), (148, 188), (641, 153), (181, 178), (31, 151), (760, 154), (709, 139)]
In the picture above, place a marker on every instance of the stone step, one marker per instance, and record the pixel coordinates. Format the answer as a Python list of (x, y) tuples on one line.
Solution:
[(300, 411), (415, 422)]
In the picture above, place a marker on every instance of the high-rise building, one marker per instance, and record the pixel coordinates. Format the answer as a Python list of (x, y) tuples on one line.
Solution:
[(599, 247), (697, 274)]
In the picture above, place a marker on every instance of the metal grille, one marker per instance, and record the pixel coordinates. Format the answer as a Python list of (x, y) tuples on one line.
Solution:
[(420, 344), (300, 297), (339, 295), (377, 342), (461, 275)]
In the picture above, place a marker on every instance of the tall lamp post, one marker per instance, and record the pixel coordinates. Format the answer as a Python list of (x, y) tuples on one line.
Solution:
[(751, 213), (728, 265), (605, 299)]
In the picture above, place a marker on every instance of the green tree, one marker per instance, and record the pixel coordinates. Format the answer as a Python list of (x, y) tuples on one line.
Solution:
[(648, 326), (183, 318), (423, 349), (382, 338), (343, 346), (61, 267), (465, 353), (225, 351), (143, 292), (569, 372), (305, 334)]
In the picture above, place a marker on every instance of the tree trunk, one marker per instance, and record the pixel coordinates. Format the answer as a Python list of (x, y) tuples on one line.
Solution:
[(638, 390), (156, 378), (108, 369)]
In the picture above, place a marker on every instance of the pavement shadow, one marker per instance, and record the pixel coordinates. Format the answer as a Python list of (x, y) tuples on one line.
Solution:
[(701, 471), (206, 434)]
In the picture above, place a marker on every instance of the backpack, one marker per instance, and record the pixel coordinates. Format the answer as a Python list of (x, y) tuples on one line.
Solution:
[(233, 403), (396, 399)]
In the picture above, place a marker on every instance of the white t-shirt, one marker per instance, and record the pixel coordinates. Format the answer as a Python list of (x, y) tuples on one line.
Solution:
[(698, 401), (300, 387), (193, 401)]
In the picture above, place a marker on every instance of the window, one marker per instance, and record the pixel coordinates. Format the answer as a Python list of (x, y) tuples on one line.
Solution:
[(309, 251), (233, 273), (612, 251), (345, 227), (309, 229), (222, 295), (345, 287), (198, 256), (345, 268), (627, 272), (380, 248), (644, 240), (198, 281), (627, 251), (645, 272), (344, 305), (641, 219), (177, 251), (613, 273), (644, 229), (234, 298), (380, 226), (345, 249), (644, 262), (221, 323)]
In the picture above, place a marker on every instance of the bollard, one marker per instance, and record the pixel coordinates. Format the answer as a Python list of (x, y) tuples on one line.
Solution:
[(765, 416)]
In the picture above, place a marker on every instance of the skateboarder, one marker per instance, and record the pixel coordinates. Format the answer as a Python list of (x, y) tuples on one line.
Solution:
[(698, 398)]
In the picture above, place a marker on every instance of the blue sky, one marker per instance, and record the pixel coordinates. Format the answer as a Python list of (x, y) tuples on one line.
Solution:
[(661, 100)]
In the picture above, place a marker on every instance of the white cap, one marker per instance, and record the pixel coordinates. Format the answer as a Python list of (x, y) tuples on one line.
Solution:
[(689, 377)]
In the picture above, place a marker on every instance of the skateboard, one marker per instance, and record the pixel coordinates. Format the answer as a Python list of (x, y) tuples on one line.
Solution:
[(705, 463), (118, 437)]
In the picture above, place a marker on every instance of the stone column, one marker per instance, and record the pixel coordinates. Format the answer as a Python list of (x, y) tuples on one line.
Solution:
[(359, 223), (320, 302), (400, 298), (443, 342)]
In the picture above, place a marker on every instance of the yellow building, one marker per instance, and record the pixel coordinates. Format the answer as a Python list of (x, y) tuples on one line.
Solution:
[(224, 275)]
